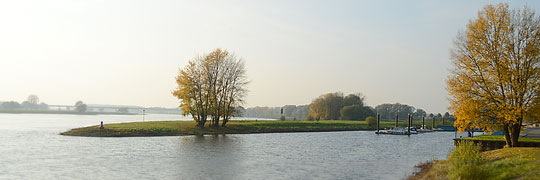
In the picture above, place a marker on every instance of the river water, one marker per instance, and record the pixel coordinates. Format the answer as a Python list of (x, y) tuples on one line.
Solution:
[(33, 149)]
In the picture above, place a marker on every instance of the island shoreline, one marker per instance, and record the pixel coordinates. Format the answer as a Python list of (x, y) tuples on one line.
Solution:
[(187, 128)]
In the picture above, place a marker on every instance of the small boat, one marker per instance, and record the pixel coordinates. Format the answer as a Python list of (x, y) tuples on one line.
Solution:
[(397, 131), (413, 130), (424, 129)]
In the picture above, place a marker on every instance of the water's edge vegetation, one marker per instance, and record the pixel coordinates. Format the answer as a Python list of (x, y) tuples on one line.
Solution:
[(181, 128), (466, 162), (500, 138)]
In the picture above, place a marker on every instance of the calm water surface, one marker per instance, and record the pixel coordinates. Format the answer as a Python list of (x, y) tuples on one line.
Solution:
[(32, 149)]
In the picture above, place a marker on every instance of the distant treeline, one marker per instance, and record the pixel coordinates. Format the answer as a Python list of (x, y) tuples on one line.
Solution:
[(337, 106), (32, 103), (291, 112)]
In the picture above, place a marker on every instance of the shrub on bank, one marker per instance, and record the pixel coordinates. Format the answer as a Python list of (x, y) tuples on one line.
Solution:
[(371, 121), (465, 162)]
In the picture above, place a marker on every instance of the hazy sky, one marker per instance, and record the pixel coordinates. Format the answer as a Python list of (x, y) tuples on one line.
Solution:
[(128, 52)]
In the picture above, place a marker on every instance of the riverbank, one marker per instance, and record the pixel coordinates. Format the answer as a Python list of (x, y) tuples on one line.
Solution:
[(506, 163), (500, 138), (492, 142), (182, 128)]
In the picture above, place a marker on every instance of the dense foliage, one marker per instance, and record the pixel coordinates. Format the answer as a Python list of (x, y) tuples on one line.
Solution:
[(334, 106), (465, 161), (212, 85), (495, 81), (389, 111)]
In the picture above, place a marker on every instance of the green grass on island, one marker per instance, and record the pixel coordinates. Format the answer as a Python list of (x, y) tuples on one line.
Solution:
[(506, 163), (180, 128)]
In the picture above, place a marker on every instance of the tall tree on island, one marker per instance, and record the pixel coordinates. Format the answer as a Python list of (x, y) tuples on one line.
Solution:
[(212, 85), (495, 81)]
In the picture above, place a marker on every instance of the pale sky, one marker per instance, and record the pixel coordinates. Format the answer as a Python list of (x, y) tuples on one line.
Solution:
[(128, 52)]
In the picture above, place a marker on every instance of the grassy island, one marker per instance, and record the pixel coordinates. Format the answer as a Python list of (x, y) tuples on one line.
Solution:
[(180, 128)]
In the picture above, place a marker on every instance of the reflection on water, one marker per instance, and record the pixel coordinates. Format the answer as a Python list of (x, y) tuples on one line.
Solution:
[(210, 156), (32, 149)]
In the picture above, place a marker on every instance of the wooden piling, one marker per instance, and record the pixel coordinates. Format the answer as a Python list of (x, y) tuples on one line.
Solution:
[(433, 122), (378, 122), (423, 119), (396, 120), (409, 126), (412, 119), (443, 120)]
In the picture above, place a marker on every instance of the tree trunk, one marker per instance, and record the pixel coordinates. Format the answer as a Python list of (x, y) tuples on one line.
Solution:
[(516, 128), (507, 135), (216, 122), (201, 124), (227, 114), (224, 122)]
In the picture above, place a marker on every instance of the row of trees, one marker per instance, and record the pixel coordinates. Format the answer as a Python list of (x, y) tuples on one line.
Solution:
[(212, 85), (389, 111), (351, 110), (296, 112), (334, 106), (32, 103), (289, 112), (262, 112)]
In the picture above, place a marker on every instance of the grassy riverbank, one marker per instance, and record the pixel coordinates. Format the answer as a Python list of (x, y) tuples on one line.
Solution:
[(506, 163), (501, 138), (179, 128)]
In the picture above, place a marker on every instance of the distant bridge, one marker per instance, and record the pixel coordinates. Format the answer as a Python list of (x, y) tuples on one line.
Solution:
[(116, 108), (96, 108)]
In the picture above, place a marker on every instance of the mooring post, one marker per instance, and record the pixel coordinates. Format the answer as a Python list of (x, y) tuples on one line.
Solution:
[(443, 120), (433, 122), (423, 119), (412, 119), (378, 122), (409, 126), (396, 119)]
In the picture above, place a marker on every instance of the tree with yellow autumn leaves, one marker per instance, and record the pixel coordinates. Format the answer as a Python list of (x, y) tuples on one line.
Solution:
[(212, 86), (495, 81)]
